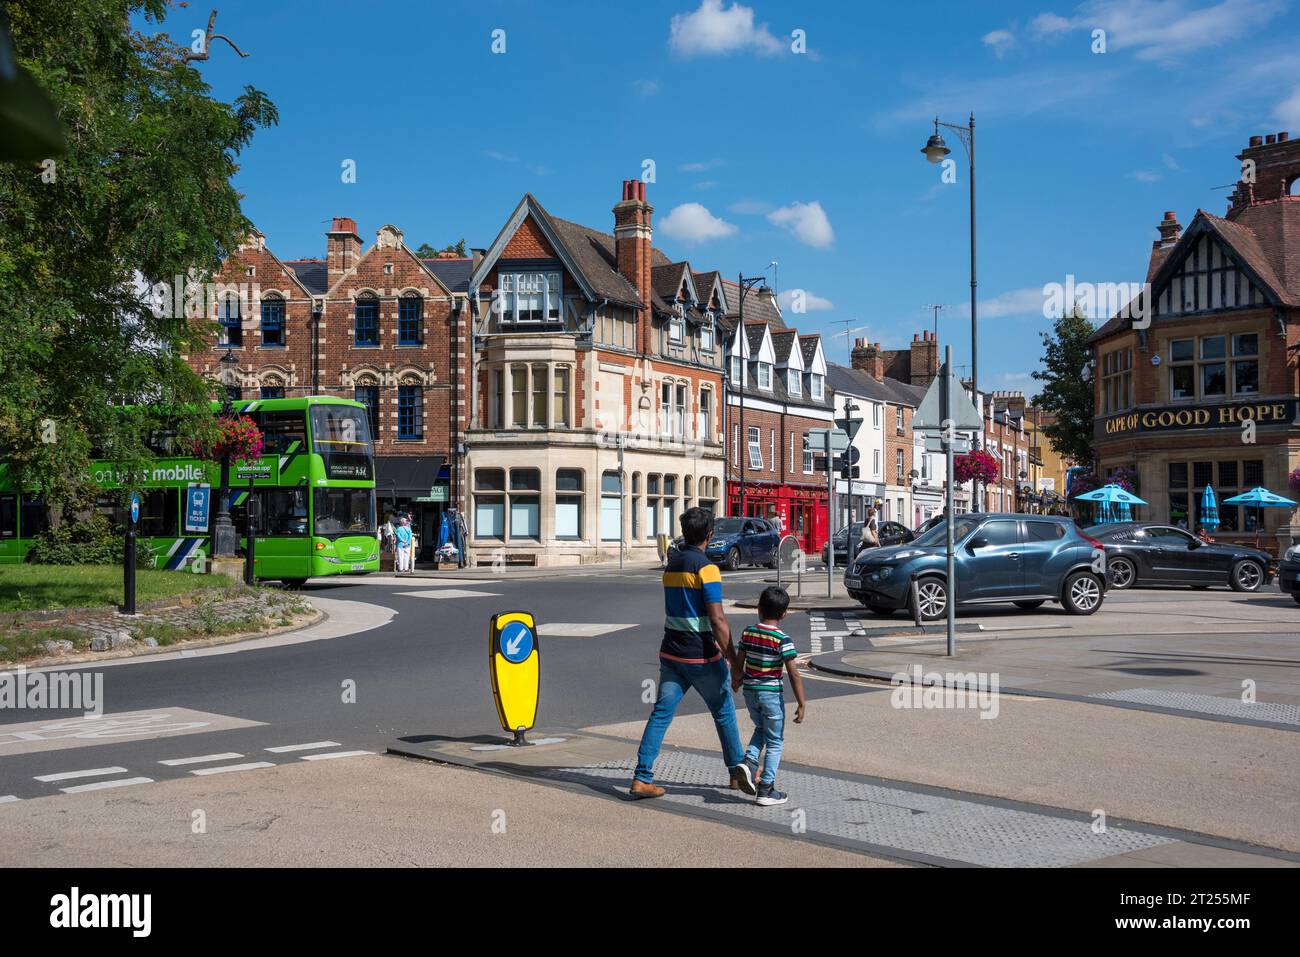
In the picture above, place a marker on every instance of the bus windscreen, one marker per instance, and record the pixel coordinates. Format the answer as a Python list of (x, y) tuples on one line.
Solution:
[(340, 435)]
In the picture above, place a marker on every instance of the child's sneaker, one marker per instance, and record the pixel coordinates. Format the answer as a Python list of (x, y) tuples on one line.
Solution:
[(736, 775), (769, 796)]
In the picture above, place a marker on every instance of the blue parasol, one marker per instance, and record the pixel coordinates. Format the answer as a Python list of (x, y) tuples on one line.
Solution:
[(1261, 498), (1209, 510), (1115, 503)]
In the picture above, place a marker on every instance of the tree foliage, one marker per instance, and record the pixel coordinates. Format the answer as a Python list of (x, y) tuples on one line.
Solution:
[(428, 252), (141, 194), (1067, 386)]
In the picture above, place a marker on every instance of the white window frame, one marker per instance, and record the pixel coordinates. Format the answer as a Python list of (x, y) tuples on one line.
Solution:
[(509, 284), (707, 342), (794, 381), (771, 448), (807, 456), (737, 366), (754, 446), (818, 386), (677, 326), (765, 367)]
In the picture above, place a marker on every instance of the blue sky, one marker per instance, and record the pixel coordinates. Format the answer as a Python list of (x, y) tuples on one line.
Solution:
[(762, 153)]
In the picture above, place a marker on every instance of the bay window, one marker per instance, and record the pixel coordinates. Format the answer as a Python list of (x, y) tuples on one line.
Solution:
[(529, 297)]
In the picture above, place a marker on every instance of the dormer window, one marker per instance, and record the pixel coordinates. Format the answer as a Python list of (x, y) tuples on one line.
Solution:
[(707, 334), (530, 297), (818, 386), (795, 381), (737, 371), (677, 325), (765, 376)]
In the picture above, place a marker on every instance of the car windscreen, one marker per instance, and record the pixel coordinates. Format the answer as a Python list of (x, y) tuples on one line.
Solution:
[(939, 534), (727, 526)]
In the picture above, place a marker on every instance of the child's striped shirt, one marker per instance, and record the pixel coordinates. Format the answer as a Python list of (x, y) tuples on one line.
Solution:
[(766, 652)]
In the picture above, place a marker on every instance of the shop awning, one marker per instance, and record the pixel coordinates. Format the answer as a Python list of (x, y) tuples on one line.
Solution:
[(406, 476)]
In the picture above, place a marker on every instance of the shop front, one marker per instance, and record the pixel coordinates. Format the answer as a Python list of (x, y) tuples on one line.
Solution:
[(798, 510), (417, 485), (1177, 452)]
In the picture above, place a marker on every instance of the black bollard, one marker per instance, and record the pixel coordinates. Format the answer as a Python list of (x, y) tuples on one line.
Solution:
[(128, 563)]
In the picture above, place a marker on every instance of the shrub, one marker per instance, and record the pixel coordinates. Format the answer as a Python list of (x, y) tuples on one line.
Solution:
[(90, 541)]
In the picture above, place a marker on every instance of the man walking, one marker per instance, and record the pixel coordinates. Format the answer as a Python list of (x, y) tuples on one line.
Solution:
[(696, 653)]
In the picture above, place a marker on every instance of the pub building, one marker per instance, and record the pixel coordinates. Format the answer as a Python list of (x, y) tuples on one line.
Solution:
[(1202, 389)]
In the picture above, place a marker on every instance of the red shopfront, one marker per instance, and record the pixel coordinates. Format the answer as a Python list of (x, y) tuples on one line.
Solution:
[(800, 510)]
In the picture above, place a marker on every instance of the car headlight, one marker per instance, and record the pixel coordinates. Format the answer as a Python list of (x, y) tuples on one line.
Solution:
[(1290, 553)]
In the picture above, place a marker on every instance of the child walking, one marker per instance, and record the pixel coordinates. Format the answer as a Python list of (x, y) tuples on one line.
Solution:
[(764, 650)]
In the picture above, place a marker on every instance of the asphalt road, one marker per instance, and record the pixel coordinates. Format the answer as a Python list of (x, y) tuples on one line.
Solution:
[(422, 674)]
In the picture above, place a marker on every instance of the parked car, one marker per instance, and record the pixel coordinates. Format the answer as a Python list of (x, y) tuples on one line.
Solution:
[(891, 533), (741, 541), (1288, 573), (1147, 553), (998, 557)]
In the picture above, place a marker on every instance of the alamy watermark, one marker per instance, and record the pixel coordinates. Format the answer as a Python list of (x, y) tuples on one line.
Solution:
[(1127, 300), (931, 690), (52, 691)]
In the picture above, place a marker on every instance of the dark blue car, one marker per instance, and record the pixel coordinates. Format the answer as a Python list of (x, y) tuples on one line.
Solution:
[(998, 557), (741, 541)]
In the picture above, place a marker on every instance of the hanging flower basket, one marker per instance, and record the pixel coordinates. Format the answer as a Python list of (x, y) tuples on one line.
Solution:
[(1083, 482), (1295, 480), (238, 437), (978, 465), (1125, 478)]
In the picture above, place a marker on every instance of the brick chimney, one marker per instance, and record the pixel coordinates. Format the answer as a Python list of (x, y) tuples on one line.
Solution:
[(632, 238), (343, 245), (1273, 161), (1170, 231), (869, 358), (925, 358)]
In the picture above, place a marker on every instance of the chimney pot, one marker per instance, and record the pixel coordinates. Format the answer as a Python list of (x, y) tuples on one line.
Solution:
[(1170, 216), (1257, 141), (1283, 137), (1270, 139)]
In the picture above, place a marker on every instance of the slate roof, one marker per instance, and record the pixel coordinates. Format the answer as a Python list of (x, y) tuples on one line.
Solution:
[(452, 273), (312, 273), (857, 382), (757, 309), (593, 252), (808, 347), (783, 341)]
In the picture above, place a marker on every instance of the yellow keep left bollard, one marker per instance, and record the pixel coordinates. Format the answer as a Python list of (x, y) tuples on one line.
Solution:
[(514, 659)]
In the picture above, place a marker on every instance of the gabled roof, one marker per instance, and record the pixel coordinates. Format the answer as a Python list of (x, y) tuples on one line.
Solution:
[(754, 333), (587, 254), (757, 308), (705, 285), (1242, 244), (858, 382), (783, 341), (452, 273), (666, 281), (808, 347)]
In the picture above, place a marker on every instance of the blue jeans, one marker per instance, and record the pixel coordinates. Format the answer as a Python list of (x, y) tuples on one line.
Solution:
[(713, 682), (767, 711)]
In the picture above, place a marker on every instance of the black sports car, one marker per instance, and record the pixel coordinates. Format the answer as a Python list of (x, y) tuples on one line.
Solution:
[(1144, 553), (890, 533), (1288, 573)]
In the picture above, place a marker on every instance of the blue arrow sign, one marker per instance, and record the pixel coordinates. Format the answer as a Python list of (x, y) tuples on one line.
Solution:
[(516, 642), (135, 507)]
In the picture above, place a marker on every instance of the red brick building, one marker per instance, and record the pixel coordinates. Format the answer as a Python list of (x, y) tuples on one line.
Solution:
[(1207, 393), (776, 394), (375, 324)]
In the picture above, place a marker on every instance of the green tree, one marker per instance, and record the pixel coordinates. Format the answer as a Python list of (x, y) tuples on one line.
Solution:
[(428, 252), (1067, 386), (140, 194)]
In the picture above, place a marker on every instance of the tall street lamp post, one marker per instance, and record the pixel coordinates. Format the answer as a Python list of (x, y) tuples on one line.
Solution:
[(746, 283), (936, 151), (223, 532)]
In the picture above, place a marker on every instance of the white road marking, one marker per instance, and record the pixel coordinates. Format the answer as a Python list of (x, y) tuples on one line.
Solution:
[(200, 759), (334, 754), (581, 629), (450, 593), (101, 785), (303, 747), (7, 799), (68, 775), (252, 765)]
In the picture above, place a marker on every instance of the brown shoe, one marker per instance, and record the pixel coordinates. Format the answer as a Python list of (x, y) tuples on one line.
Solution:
[(640, 789)]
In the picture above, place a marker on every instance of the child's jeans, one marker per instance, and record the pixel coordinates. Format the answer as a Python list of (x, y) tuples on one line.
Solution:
[(767, 711)]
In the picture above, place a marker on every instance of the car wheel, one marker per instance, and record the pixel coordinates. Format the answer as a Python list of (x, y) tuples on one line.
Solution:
[(1082, 593), (1029, 605), (1246, 576), (932, 596), (1296, 596), (293, 584), (733, 559), (1122, 573), (886, 612)]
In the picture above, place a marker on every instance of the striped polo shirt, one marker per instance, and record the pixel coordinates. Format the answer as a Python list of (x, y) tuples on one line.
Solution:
[(766, 651), (691, 582)]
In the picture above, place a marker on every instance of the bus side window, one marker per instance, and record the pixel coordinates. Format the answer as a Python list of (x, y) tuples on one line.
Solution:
[(34, 517), (280, 430), (8, 516), (159, 513)]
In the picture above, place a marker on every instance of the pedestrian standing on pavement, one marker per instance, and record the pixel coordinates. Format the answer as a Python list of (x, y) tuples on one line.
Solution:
[(764, 650), (403, 535), (870, 531), (696, 652)]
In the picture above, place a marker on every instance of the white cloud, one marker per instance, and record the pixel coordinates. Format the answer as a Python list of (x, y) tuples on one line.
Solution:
[(1017, 302), (807, 222), (707, 184), (1170, 162), (1145, 176), (717, 29), (1162, 30), (1000, 40), (811, 301), (749, 207), (692, 223), (701, 165), (646, 87), (1288, 111)]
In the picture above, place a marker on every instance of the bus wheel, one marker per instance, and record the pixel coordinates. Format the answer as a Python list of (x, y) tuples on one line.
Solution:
[(293, 584)]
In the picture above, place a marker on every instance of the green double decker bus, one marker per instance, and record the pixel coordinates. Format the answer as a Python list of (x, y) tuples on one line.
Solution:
[(314, 489)]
